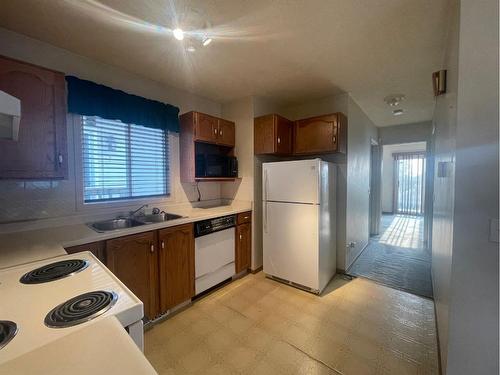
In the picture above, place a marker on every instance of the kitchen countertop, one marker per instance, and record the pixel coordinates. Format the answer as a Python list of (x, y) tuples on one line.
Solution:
[(29, 246), (100, 348)]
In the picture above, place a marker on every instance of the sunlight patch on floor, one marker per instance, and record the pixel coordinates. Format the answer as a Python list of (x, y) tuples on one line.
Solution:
[(404, 231)]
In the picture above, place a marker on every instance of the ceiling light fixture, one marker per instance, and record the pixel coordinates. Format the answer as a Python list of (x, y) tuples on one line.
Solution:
[(206, 41), (397, 112), (394, 100), (178, 34), (191, 49)]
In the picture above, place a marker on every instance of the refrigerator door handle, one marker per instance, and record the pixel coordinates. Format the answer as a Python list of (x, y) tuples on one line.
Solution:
[(265, 200)]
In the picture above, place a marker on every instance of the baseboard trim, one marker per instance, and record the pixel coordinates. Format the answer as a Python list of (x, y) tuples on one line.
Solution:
[(357, 256), (257, 270)]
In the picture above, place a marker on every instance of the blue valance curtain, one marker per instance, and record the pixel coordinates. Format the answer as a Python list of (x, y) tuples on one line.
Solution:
[(91, 99)]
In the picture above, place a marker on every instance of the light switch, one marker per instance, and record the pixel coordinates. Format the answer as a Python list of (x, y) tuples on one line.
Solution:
[(494, 230)]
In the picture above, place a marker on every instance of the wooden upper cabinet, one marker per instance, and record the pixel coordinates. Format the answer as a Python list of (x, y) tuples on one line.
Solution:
[(320, 134), (272, 135), (134, 260), (227, 132), (206, 127), (40, 151), (211, 129), (202, 134), (176, 265)]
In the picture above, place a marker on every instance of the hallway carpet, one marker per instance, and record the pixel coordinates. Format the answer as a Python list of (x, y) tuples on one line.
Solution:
[(398, 257)]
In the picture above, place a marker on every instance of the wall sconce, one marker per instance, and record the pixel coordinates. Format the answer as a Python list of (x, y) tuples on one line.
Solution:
[(439, 82)]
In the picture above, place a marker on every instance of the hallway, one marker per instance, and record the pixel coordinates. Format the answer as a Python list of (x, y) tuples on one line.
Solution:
[(397, 257)]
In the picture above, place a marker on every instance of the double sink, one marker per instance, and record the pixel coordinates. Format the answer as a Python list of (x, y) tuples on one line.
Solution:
[(131, 222)]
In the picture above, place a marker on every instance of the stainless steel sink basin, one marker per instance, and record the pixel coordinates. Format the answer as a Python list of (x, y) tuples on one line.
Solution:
[(158, 218), (114, 224)]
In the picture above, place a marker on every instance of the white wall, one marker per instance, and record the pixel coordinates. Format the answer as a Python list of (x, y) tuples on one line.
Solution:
[(388, 171), (48, 199), (361, 131), (464, 261), (473, 315), (397, 134)]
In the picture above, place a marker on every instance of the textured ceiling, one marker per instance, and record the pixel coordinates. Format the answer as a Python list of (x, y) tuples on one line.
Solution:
[(289, 50)]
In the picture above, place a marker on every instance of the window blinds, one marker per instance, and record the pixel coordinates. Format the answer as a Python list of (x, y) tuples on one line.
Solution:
[(123, 161)]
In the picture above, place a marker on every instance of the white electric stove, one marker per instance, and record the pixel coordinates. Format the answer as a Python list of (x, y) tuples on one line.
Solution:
[(43, 301)]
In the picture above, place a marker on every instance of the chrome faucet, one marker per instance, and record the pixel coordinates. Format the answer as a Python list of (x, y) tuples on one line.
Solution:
[(132, 213)]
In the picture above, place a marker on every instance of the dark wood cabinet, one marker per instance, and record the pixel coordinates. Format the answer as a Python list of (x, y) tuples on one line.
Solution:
[(206, 127), (272, 135), (226, 135), (176, 265), (40, 151), (210, 129), (198, 133), (96, 248), (134, 260), (320, 134), (243, 242), (275, 135)]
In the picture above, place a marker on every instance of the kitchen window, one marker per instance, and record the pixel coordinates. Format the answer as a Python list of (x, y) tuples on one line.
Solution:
[(123, 161)]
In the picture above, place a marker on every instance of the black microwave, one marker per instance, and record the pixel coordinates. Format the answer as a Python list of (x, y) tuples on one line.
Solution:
[(213, 165)]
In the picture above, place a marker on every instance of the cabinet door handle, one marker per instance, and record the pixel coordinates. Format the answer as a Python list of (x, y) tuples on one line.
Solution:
[(220, 132), (215, 131), (240, 237), (279, 140), (334, 139), (60, 158), (162, 244), (152, 248)]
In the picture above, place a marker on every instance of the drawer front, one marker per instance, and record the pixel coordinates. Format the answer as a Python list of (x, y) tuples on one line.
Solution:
[(244, 217)]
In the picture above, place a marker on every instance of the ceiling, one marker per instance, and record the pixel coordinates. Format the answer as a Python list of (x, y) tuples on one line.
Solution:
[(288, 50)]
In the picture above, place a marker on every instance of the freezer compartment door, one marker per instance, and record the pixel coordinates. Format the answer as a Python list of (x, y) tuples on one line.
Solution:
[(290, 242), (291, 181)]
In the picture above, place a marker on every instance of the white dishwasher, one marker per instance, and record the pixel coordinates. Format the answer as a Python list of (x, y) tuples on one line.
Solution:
[(214, 251)]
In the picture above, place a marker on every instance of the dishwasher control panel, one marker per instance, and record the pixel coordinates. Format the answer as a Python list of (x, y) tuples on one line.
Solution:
[(202, 228)]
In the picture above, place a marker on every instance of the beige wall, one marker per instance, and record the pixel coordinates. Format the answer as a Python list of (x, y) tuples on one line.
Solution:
[(48, 199), (388, 171)]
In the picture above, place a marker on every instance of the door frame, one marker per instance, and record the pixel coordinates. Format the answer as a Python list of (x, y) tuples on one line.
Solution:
[(375, 188)]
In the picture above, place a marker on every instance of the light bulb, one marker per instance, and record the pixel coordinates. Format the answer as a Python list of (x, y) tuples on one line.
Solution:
[(178, 34)]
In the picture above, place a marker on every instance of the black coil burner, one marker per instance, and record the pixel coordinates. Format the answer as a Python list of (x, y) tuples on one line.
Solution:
[(80, 309), (54, 271), (8, 330)]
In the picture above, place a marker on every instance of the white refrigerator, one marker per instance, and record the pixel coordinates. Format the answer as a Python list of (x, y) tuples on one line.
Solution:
[(299, 221)]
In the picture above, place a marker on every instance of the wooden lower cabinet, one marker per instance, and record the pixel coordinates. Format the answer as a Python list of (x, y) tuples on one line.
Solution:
[(134, 260), (243, 242), (176, 265), (96, 248)]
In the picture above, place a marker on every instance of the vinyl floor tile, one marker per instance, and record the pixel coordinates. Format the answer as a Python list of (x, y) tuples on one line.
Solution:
[(258, 326)]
